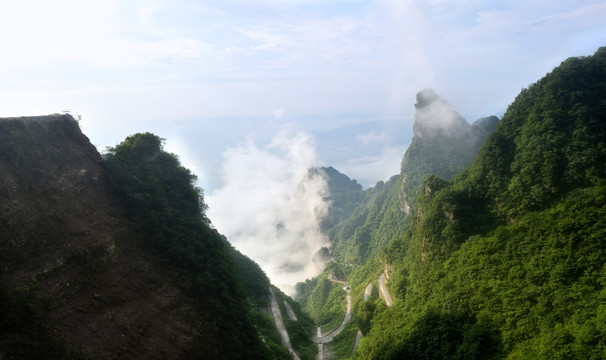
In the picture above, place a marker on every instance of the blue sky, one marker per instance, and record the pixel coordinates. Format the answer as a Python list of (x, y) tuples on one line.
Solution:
[(208, 74)]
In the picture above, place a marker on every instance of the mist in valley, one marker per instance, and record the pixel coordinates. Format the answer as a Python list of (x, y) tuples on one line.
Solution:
[(270, 206)]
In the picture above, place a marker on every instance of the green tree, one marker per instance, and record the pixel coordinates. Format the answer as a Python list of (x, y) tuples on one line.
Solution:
[(168, 210)]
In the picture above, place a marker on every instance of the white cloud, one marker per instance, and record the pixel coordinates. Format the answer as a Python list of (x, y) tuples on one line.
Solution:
[(311, 41), (96, 33), (410, 32), (148, 10), (270, 209)]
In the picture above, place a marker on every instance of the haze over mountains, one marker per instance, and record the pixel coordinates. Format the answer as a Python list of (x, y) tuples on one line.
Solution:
[(282, 205)]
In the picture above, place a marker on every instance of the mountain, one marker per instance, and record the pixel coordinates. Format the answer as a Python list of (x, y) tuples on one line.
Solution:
[(362, 223), (443, 144), (114, 258), (507, 259), (491, 239), (344, 194)]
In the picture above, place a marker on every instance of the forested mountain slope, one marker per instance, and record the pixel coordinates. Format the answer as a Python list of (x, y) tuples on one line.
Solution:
[(508, 259), (114, 258), (362, 223), (344, 195)]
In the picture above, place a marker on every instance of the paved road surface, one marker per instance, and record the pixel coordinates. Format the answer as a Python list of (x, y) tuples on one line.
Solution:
[(291, 314), (332, 278), (383, 290), (359, 336), (367, 291)]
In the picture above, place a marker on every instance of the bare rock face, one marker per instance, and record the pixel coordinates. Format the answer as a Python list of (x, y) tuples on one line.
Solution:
[(63, 234)]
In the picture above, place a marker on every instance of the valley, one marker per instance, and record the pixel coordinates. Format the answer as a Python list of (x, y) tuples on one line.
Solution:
[(489, 244)]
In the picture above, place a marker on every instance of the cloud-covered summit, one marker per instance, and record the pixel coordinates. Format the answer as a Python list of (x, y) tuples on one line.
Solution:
[(435, 116), (443, 144)]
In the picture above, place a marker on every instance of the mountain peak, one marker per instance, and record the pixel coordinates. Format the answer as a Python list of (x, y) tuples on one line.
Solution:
[(426, 97), (436, 117)]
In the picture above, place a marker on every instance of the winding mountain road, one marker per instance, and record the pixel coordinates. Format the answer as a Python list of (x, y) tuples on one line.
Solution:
[(332, 278), (275, 310), (320, 338)]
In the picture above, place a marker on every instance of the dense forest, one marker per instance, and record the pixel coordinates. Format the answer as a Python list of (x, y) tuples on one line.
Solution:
[(501, 259), (169, 212)]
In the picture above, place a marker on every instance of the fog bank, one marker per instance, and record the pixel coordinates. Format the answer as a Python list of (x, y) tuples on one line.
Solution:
[(270, 207)]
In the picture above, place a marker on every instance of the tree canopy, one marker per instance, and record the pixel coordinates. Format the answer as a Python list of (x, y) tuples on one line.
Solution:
[(168, 210)]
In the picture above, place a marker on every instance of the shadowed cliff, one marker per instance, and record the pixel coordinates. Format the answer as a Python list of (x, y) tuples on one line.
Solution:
[(77, 276)]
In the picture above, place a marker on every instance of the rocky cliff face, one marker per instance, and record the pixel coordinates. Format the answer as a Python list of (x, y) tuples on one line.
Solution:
[(63, 237)]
